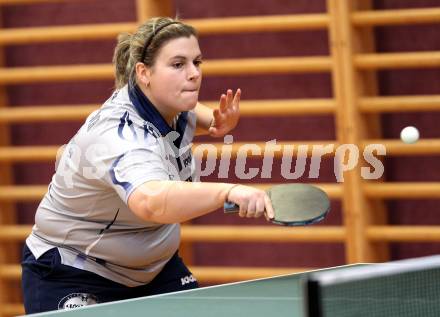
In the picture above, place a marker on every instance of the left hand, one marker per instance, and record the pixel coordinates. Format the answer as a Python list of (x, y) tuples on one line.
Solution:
[(226, 117)]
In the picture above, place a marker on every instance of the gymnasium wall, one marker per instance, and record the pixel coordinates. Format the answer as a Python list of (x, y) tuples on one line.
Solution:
[(314, 85)]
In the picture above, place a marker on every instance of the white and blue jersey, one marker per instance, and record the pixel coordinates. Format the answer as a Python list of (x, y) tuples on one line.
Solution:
[(85, 214)]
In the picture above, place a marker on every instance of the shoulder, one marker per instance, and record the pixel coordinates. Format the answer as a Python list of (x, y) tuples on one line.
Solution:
[(116, 114), (117, 125)]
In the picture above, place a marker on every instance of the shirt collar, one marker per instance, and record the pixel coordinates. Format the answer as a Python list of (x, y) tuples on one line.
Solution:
[(148, 112)]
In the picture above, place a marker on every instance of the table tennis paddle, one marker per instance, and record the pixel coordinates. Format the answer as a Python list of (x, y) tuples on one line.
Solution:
[(294, 204)]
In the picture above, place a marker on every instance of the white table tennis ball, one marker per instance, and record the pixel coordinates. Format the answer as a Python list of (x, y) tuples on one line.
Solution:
[(409, 135)]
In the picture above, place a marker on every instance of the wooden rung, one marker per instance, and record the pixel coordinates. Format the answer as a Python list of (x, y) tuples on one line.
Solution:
[(397, 147), (208, 233), (48, 153), (14, 2), (14, 232), (11, 310), (283, 107), (36, 192), (402, 190), (275, 65), (28, 153), (205, 233), (243, 66), (278, 149), (10, 272), (20, 75), (404, 233), (396, 17), (15, 36), (271, 107), (274, 23), (270, 23), (393, 147), (46, 113), (22, 192), (400, 103), (216, 25), (397, 60), (274, 107)]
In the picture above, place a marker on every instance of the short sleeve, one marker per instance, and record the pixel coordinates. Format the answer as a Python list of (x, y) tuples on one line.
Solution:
[(133, 168), (129, 164)]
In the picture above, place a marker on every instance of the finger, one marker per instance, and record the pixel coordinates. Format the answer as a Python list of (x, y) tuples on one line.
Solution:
[(243, 210), (236, 101), (223, 103), (251, 209), (229, 98), (268, 206), (259, 209), (217, 117), (259, 214), (214, 132)]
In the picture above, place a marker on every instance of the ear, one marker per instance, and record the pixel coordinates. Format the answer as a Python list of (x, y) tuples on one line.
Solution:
[(143, 74)]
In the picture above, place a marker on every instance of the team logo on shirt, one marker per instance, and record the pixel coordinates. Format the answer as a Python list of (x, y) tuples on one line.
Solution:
[(76, 300)]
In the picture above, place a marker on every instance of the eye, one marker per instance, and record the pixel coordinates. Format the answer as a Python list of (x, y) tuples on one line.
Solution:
[(197, 62), (178, 65)]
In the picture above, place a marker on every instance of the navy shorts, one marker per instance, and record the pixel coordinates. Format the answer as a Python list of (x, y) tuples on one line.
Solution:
[(49, 285)]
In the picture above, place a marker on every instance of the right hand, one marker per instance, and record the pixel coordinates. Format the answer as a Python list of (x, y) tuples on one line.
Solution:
[(253, 202)]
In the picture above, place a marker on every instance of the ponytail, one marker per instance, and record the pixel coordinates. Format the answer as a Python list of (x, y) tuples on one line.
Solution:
[(121, 59)]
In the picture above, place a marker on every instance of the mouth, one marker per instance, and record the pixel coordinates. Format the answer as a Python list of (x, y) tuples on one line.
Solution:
[(190, 90)]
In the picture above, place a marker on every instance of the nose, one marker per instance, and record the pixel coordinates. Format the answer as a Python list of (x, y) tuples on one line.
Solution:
[(194, 72)]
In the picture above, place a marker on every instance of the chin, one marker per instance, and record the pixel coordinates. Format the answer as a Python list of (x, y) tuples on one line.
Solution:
[(189, 104)]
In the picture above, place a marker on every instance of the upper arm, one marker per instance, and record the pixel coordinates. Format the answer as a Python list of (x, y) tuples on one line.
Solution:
[(137, 202), (148, 201)]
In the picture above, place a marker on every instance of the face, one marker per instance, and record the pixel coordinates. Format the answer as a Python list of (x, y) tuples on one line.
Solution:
[(173, 82)]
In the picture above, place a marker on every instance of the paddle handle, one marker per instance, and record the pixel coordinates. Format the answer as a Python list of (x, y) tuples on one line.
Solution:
[(229, 207)]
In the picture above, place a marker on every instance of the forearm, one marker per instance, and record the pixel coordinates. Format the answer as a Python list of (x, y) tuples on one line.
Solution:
[(177, 201), (204, 118)]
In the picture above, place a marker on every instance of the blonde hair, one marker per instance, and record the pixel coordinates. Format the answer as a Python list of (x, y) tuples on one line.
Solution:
[(154, 33)]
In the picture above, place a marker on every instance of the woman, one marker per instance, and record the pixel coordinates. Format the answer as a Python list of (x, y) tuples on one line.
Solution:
[(108, 227)]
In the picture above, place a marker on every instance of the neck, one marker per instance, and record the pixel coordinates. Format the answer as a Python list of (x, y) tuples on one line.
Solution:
[(167, 115)]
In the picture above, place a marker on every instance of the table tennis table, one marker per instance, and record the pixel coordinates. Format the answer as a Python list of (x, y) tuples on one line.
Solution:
[(276, 296), (404, 288)]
